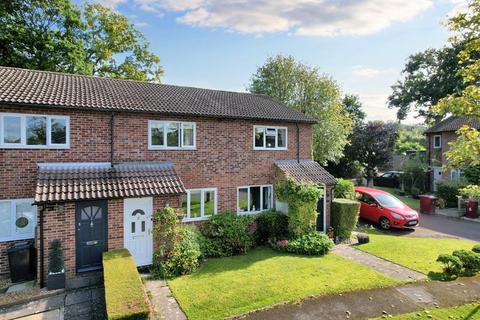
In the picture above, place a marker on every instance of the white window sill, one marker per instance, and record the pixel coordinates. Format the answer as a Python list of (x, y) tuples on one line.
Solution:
[(6, 146), (270, 149), (246, 213), (172, 148), (195, 219), (18, 237)]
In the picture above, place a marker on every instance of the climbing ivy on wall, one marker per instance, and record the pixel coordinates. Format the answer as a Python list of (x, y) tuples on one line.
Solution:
[(302, 201)]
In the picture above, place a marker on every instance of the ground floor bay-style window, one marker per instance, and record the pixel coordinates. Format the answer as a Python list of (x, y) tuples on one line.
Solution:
[(199, 204), (253, 199), (17, 219)]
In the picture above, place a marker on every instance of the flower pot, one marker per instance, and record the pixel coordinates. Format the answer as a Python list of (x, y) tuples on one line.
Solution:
[(331, 234), (56, 280)]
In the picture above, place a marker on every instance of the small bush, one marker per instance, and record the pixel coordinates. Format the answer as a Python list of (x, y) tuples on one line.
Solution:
[(449, 189), (311, 244), (470, 261), (124, 294), (476, 248), (344, 189), (208, 247), (452, 265), (363, 238), (229, 234), (271, 225), (344, 217)]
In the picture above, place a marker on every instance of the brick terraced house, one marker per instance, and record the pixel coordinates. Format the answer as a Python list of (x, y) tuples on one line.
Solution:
[(86, 160)]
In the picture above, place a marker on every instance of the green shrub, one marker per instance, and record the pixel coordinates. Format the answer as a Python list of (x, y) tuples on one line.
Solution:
[(164, 235), (344, 217), (312, 244), (271, 225), (55, 257), (471, 192), (452, 265), (449, 189), (470, 261), (344, 189), (229, 233), (208, 247), (476, 248), (124, 294)]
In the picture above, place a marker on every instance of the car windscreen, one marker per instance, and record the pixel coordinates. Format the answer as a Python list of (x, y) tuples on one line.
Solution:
[(389, 201)]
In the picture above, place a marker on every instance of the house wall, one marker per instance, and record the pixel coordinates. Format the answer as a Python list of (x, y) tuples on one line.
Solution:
[(436, 156)]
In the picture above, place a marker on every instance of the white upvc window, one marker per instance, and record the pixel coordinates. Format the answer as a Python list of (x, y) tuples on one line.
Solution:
[(17, 219), (437, 141), (199, 204), (455, 174), (171, 135), (270, 138), (254, 199), (34, 131)]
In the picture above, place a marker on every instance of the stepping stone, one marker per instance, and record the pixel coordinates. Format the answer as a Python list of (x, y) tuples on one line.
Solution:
[(21, 286), (417, 294)]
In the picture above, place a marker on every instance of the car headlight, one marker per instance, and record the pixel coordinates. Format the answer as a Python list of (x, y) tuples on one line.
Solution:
[(397, 216)]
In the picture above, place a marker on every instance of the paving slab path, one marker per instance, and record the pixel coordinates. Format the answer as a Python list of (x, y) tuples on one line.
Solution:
[(385, 267), (165, 305), (377, 302)]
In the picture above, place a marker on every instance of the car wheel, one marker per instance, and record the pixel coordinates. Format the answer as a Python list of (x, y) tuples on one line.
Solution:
[(385, 223)]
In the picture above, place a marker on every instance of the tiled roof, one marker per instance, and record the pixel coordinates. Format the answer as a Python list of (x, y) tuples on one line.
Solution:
[(306, 171), (41, 88), (454, 123), (77, 181)]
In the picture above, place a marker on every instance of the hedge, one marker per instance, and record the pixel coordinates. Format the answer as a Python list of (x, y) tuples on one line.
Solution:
[(124, 294), (344, 217)]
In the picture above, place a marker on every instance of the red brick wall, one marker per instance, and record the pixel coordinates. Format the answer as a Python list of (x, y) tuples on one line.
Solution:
[(436, 156)]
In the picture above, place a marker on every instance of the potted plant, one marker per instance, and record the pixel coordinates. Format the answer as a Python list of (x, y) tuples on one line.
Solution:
[(472, 193), (330, 233), (56, 269)]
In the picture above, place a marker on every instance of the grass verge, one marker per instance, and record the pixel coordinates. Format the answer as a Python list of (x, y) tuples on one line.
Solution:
[(464, 312), (230, 286)]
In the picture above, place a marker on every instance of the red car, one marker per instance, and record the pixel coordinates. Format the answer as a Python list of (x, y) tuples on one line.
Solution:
[(381, 207)]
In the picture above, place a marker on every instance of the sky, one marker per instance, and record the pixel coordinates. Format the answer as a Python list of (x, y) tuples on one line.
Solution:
[(362, 44)]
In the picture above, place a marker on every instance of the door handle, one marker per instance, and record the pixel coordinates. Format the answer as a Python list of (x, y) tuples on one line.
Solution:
[(92, 242)]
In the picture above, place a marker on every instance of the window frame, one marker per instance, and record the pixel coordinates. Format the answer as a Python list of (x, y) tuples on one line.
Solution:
[(248, 198), (13, 236), (165, 124), (23, 132), (439, 145), (264, 127), (202, 204)]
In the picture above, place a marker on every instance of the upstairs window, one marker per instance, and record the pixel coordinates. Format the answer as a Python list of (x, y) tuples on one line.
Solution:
[(171, 135), (269, 138), (437, 141), (34, 131), (253, 199), (17, 219)]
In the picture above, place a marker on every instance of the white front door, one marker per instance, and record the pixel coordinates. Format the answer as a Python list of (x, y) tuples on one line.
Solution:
[(138, 229), (437, 176)]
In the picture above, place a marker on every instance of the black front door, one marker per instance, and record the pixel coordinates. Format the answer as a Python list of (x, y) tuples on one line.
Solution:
[(91, 234), (320, 215)]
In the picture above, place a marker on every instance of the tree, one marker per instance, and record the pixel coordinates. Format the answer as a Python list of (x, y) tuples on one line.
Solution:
[(373, 143), (57, 35), (410, 138), (353, 106), (465, 151), (427, 77), (305, 89)]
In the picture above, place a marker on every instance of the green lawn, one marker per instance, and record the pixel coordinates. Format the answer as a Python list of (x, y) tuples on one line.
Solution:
[(412, 203), (230, 286), (465, 312), (419, 254)]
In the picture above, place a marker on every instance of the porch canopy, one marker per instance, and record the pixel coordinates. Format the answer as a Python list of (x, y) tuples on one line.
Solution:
[(306, 171), (61, 182)]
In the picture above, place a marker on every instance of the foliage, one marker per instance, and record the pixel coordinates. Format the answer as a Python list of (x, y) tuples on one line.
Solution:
[(471, 192), (410, 138), (476, 248), (353, 106), (465, 151), (271, 225), (311, 244), (452, 265), (229, 234), (305, 89), (302, 204), (374, 144), (472, 174), (225, 287), (55, 257), (448, 190), (414, 177), (470, 261), (344, 189), (208, 247), (185, 254), (344, 217), (164, 235), (124, 294), (58, 35)]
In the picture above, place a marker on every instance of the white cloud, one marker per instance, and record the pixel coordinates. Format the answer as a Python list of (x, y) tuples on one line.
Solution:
[(458, 6), (375, 106), (301, 17), (369, 72), (110, 3)]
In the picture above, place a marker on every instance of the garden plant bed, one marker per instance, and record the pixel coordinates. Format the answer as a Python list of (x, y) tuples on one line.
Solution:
[(419, 254), (464, 312), (231, 286)]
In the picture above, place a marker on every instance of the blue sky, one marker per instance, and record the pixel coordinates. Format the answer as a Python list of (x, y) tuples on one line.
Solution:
[(363, 44)]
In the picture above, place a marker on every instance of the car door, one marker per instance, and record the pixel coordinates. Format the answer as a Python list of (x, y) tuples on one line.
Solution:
[(369, 209)]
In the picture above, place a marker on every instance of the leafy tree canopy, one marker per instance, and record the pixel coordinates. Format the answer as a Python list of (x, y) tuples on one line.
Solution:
[(410, 138), (353, 106), (305, 89), (57, 35)]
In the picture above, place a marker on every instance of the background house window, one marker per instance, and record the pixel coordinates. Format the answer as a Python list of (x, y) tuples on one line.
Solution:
[(17, 219), (171, 135), (33, 131), (199, 204), (253, 199), (437, 141), (269, 138)]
